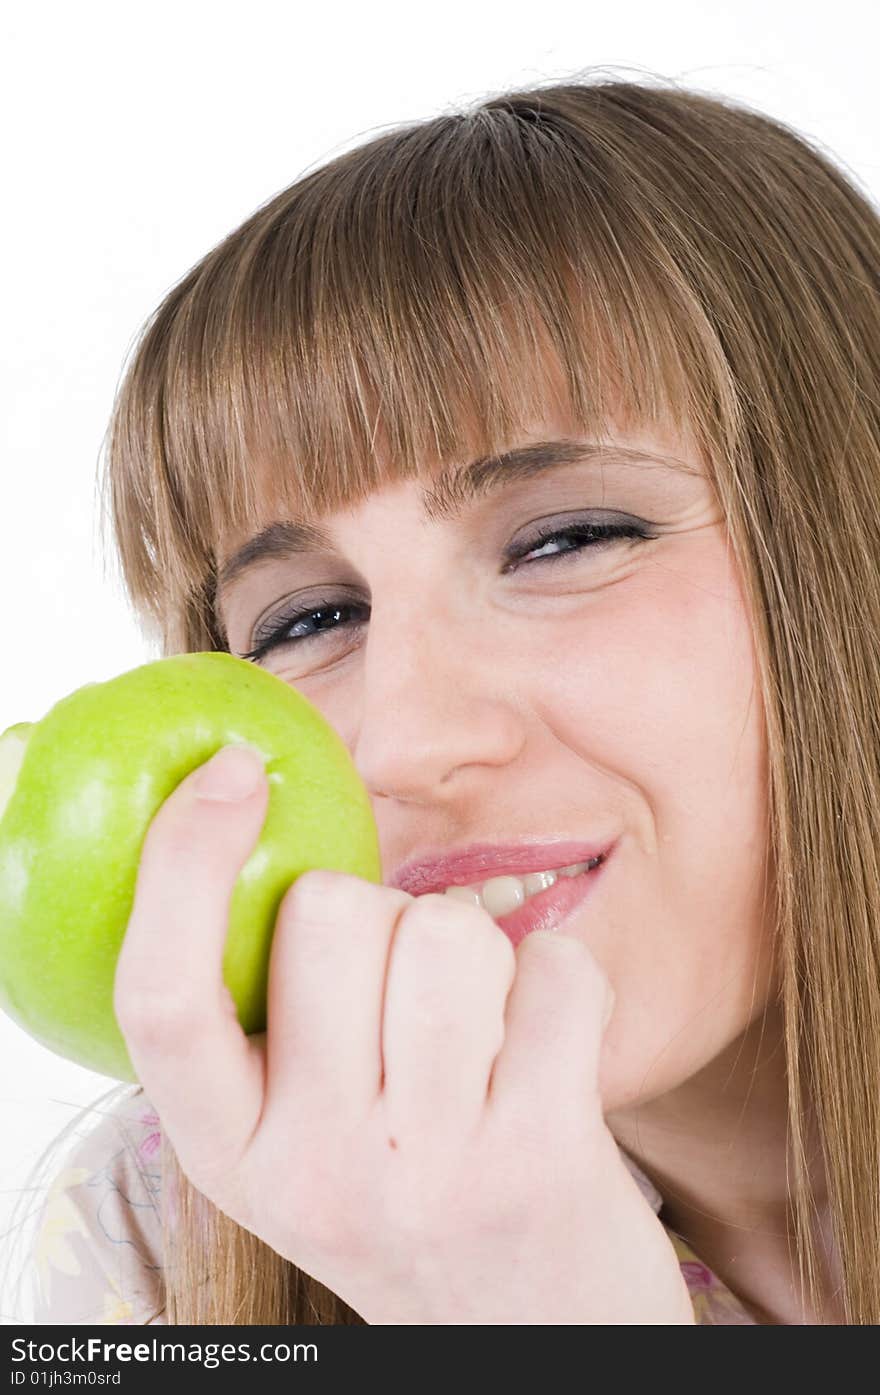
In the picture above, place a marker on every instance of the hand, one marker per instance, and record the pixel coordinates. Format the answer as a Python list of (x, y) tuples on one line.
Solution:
[(420, 1127)]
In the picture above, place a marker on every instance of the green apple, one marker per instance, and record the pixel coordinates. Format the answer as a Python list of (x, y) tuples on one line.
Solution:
[(78, 790)]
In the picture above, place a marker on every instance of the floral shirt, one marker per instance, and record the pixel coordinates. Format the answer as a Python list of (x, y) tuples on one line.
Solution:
[(97, 1258)]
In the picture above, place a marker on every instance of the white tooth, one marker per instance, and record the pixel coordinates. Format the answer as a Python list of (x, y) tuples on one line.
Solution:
[(538, 881), (501, 895), (470, 894), (574, 870), (507, 893)]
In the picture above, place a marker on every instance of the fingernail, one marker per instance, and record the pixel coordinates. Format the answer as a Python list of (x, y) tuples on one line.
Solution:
[(233, 772)]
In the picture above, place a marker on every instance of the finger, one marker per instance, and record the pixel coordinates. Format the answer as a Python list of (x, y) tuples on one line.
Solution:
[(547, 1072), (176, 1014), (449, 974), (326, 975)]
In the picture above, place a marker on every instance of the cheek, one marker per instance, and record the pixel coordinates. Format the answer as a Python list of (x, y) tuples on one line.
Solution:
[(662, 707), (657, 693)]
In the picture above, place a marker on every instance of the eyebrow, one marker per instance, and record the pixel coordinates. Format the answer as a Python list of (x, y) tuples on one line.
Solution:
[(451, 492)]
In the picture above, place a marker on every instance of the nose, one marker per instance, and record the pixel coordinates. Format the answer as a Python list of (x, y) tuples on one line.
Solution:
[(434, 705)]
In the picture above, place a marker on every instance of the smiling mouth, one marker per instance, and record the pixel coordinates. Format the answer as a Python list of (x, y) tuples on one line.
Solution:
[(551, 907), (501, 896)]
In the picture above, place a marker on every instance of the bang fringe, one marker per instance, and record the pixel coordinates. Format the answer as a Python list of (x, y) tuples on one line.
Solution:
[(392, 313)]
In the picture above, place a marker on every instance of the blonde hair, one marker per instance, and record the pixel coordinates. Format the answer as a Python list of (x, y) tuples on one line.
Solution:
[(684, 259)]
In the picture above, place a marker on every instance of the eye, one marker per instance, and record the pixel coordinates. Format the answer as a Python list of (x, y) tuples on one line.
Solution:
[(581, 535), (326, 616)]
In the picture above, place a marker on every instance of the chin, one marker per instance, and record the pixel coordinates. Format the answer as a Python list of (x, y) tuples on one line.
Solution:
[(617, 1091), (629, 1078)]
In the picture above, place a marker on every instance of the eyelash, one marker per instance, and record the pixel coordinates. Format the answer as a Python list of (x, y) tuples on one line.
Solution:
[(591, 534)]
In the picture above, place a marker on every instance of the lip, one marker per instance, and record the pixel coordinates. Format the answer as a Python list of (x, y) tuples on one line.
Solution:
[(550, 909), (479, 861)]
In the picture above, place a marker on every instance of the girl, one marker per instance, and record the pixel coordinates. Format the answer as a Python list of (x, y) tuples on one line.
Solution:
[(538, 445)]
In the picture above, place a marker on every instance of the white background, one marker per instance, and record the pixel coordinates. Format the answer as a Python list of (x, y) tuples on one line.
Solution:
[(135, 137)]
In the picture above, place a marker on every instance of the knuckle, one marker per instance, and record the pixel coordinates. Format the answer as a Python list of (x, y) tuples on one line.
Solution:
[(508, 1206), (436, 922), (154, 1018), (330, 1229), (551, 947), (545, 951), (321, 896), (416, 1204), (437, 917), (316, 890), (523, 1134), (174, 825), (183, 830), (436, 938), (171, 853), (323, 1217)]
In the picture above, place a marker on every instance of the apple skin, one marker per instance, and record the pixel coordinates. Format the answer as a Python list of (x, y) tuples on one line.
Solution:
[(95, 770)]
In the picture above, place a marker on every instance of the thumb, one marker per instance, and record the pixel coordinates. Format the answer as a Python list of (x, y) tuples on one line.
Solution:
[(170, 999)]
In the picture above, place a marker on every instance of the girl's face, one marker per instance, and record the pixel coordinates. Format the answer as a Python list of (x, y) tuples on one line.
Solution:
[(496, 685)]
